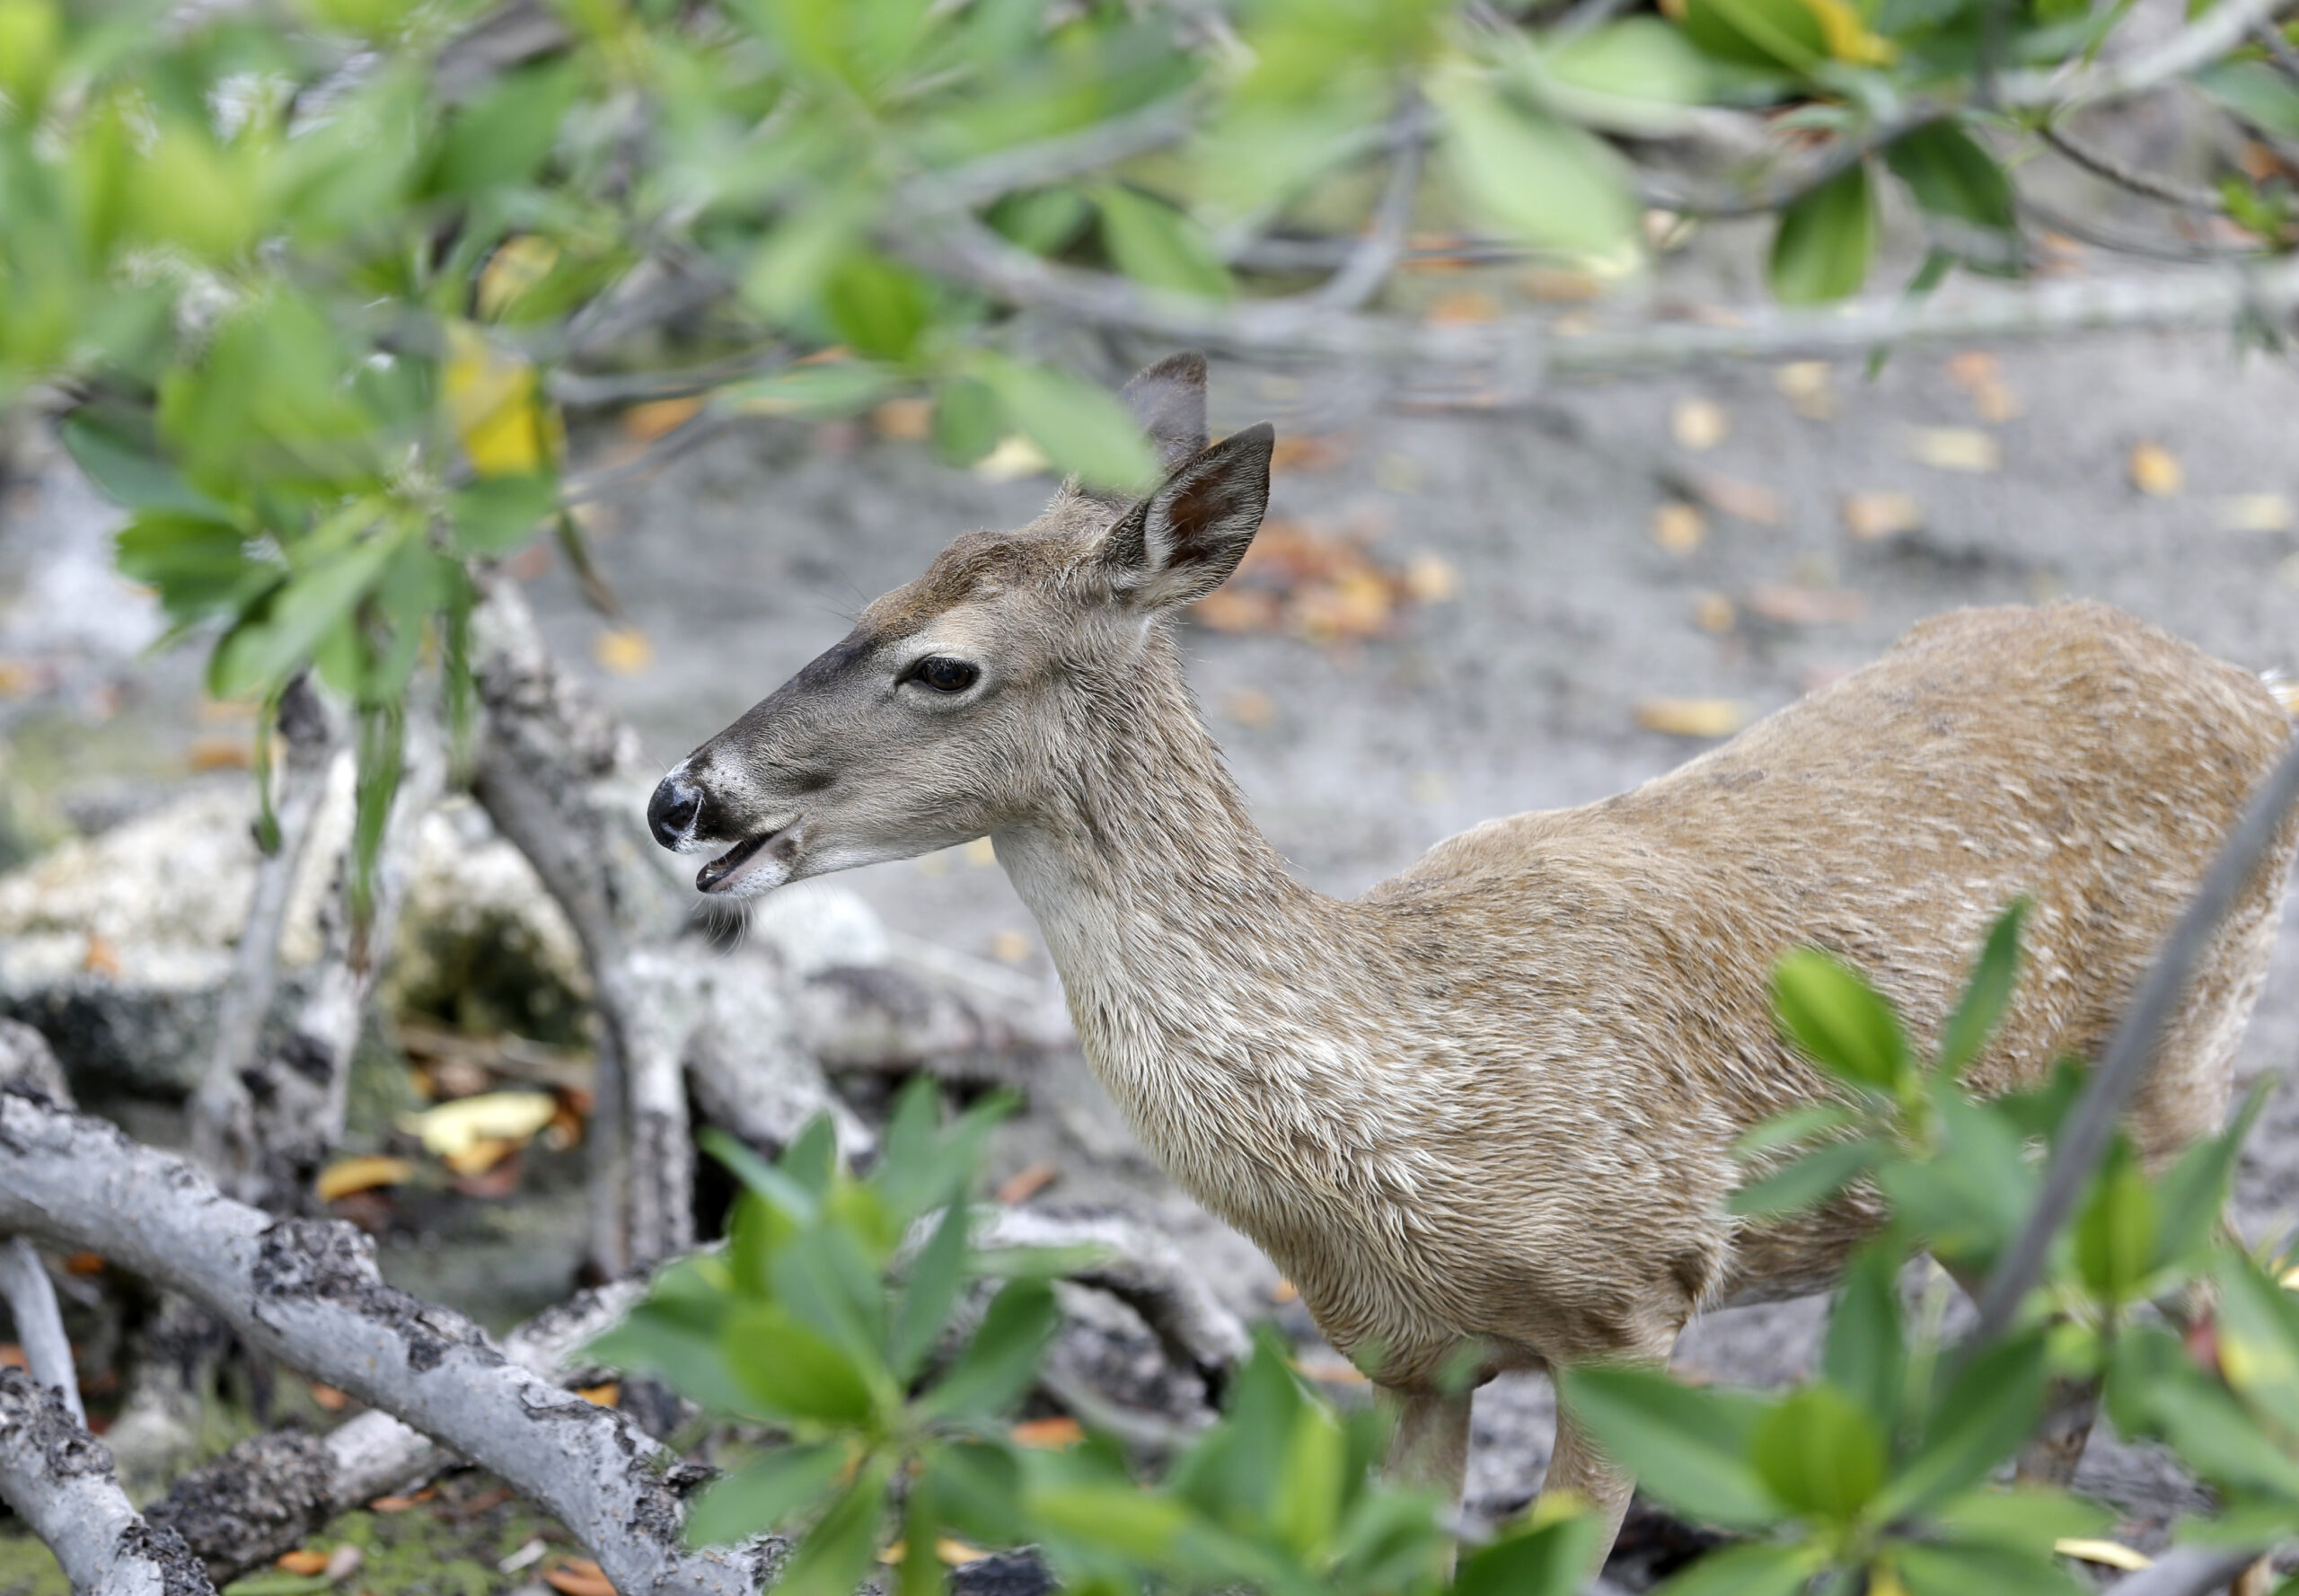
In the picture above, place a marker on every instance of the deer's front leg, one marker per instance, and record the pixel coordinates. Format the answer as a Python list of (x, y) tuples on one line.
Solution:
[(1430, 1448), (1602, 1487)]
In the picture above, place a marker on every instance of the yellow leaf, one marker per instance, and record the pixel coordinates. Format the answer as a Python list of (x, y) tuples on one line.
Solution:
[(605, 1395), (1690, 717), (1848, 38), (1679, 527), (521, 262), (624, 650), (2155, 471), (453, 1130), (1014, 457), (1698, 424), (2109, 1552), (346, 1175), (496, 403), (1881, 514), (1431, 580)]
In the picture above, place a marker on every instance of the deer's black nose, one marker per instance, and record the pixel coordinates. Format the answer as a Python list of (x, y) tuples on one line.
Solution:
[(673, 810)]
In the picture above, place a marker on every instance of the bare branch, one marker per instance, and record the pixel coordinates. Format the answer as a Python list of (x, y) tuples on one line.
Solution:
[(2187, 1571), (1050, 161), (2219, 30), (574, 387), (270, 1492), (1507, 361), (59, 1479), (2285, 57), (2099, 163), (39, 1324), (223, 1110), (1375, 256), (2132, 1049), (306, 1291)]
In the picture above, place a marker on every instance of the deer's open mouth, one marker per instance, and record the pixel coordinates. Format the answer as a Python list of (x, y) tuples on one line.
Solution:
[(721, 874)]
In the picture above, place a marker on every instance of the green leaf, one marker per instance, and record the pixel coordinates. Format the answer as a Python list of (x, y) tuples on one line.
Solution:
[(130, 472), (496, 514), (1548, 1560), (1044, 221), (2021, 1516), (2191, 1195), (967, 420), (1311, 1483), (792, 1370), (1798, 1125), (1763, 1569), (1865, 1355), (1985, 995), (836, 1553), (1813, 1179), (200, 568), (1000, 1361), (773, 1185), (1083, 427), (828, 389), (1766, 34), (1633, 75), (2259, 1339), (1839, 1020), (1822, 247), (935, 1273), (503, 136), (1948, 1569), (1952, 178), (1979, 1418), (878, 307), (1820, 1454), (1141, 1524), (2114, 1233), (979, 1486), (764, 1495), (1689, 1448), (2257, 91), (278, 1581), (1158, 246), (1552, 185), (272, 644)]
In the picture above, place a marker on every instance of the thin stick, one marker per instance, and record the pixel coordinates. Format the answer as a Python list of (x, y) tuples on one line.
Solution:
[(39, 1324)]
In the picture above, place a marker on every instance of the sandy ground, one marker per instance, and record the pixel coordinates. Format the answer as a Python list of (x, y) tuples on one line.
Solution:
[(1521, 690)]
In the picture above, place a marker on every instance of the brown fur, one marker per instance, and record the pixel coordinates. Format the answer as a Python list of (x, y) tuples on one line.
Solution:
[(1490, 1104)]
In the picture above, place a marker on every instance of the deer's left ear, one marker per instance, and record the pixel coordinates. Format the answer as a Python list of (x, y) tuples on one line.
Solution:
[(1169, 399), (1182, 542)]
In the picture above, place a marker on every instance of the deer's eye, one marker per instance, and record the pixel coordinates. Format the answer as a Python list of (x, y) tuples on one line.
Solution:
[(945, 674)]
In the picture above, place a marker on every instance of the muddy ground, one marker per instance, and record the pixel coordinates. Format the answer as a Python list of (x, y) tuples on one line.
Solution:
[(1520, 690)]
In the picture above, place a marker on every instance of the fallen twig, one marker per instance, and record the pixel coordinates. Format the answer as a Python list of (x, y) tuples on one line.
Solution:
[(59, 1479), (306, 1291), (39, 1325)]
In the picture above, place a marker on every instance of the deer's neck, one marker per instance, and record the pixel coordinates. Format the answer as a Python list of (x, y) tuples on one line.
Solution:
[(1232, 1012)]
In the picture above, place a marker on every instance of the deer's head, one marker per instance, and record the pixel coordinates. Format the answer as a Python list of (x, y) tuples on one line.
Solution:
[(942, 716)]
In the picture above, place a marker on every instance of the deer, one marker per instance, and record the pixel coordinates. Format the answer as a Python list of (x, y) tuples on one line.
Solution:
[(1482, 1116)]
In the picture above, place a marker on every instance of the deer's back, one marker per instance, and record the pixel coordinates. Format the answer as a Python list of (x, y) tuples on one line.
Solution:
[(1614, 958)]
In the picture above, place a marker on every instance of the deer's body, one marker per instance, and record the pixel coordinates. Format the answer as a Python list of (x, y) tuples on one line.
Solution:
[(1490, 1104)]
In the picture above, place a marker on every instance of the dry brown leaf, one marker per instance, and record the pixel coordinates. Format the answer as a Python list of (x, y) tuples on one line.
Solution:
[(577, 1576), (1237, 610), (601, 1396), (219, 753), (1678, 528), (1552, 285), (1807, 606), (398, 1503), (1955, 448), (1053, 1434), (1996, 402), (1881, 514), (1331, 1371), (1713, 611), (101, 957), (1431, 580), (644, 423), (1284, 1291), (1026, 1183), (84, 1263), (360, 1174), (450, 1130), (11, 1355), (1690, 717), (2253, 512), (624, 650), (905, 420), (1307, 451), (302, 1560), (1745, 501), (2155, 471), (1250, 706), (1463, 307), (328, 1398), (1698, 424), (17, 678), (1010, 948), (1974, 368)]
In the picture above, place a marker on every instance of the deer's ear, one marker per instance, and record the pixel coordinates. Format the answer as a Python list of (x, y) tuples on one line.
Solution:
[(1182, 542), (1169, 399)]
